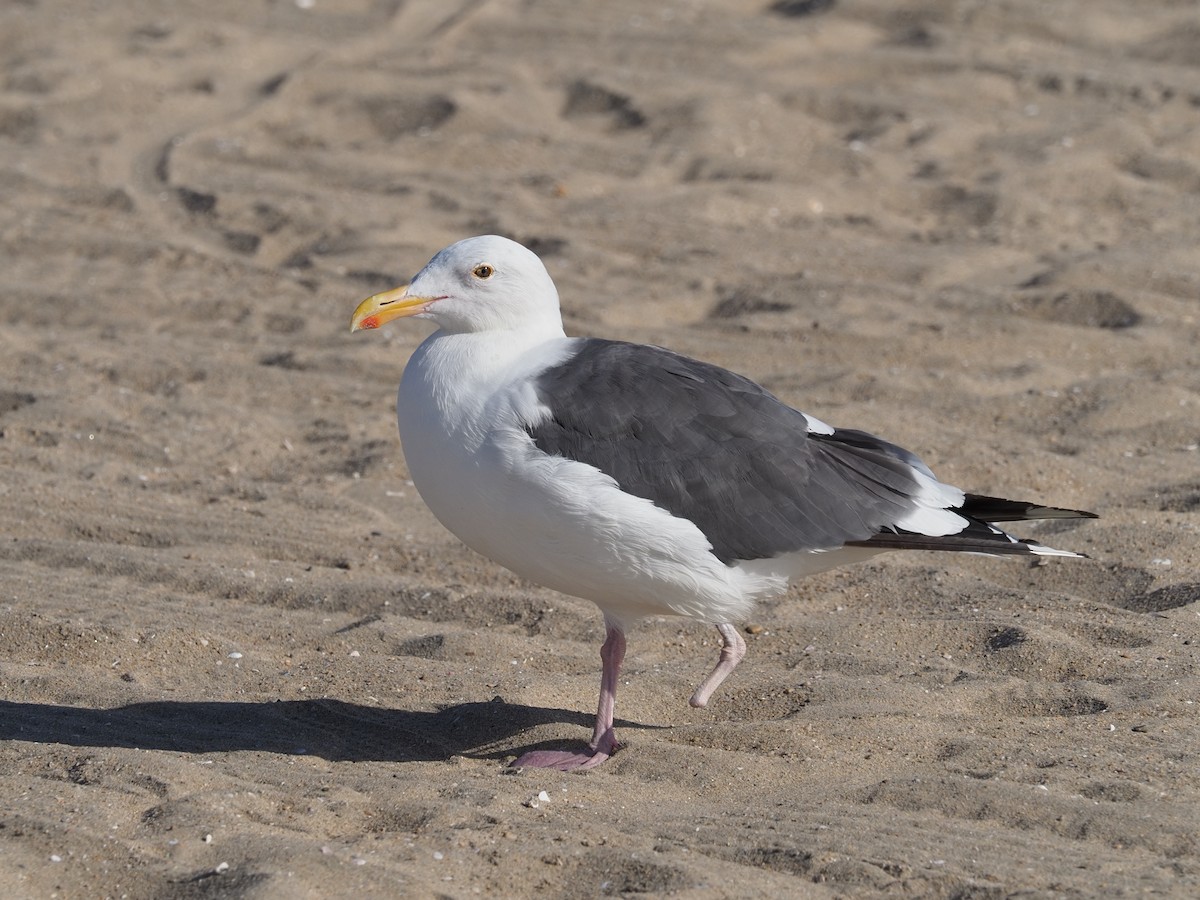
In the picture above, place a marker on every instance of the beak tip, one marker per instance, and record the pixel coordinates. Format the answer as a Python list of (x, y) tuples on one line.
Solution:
[(379, 309)]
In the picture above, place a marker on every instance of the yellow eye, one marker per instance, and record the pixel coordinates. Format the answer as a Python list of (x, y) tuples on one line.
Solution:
[(483, 270)]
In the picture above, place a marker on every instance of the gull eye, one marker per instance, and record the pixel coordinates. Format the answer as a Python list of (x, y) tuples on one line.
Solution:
[(483, 270)]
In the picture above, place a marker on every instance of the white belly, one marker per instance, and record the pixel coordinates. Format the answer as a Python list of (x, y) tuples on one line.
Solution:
[(567, 526)]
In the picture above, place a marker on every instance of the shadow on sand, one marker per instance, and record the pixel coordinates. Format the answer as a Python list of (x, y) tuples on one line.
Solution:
[(330, 729)]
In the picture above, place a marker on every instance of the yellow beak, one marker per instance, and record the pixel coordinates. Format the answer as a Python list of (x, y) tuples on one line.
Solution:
[(380, 309)]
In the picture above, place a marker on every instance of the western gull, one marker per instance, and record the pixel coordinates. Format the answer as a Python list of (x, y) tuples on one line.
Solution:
[(640, 479)]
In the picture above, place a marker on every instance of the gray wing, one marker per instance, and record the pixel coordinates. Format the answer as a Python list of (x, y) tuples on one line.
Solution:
[(715, 448)]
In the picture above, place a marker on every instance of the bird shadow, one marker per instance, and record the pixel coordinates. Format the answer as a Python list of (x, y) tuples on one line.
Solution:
[(329, 729)]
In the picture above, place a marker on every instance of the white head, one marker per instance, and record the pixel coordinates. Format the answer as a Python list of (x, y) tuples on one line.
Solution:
[(486, 283)]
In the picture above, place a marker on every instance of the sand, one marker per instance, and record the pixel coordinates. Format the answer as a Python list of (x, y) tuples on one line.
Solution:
[(239, 658)]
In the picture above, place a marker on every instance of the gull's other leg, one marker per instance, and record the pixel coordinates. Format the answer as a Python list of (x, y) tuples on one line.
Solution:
[(733, 648)]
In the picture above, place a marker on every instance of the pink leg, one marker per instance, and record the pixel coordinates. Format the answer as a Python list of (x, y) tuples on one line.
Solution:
[(733, 648), (604, 739)]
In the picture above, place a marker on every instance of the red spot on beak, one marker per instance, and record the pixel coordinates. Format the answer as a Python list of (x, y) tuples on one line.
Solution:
[(369, 322)]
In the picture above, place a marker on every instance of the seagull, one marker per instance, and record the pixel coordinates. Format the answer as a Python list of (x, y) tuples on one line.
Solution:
[(642, 480)]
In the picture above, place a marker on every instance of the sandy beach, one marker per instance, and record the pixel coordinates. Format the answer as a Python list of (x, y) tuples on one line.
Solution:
[(239, 658)]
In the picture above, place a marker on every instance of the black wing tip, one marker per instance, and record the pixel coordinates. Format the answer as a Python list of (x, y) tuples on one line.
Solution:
[(1000, 544), (997, 509), (1057, 512)]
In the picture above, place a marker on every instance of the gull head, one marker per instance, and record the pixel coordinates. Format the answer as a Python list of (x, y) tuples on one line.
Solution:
[(486, 283)]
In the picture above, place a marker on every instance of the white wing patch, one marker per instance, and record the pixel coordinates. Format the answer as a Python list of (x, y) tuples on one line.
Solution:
[(932, 513), (816, 426)]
